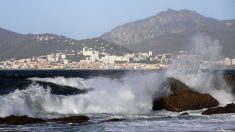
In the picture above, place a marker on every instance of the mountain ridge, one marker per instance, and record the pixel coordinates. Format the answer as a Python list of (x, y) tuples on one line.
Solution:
[(177, 27), (14, 45)]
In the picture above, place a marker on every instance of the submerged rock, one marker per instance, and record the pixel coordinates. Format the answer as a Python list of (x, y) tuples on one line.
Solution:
[(230, 108), (20, 120), (23, 120), (71, 119), (182, 98), (112, 120)]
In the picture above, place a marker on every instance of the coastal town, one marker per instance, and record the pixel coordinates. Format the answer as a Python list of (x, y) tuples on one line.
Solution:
[(89, 58)]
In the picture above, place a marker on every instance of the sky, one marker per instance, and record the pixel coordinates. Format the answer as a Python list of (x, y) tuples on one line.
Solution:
[(80, 19)]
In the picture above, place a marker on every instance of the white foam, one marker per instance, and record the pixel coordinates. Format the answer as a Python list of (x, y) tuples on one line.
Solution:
[(79, 83), (130, 94)]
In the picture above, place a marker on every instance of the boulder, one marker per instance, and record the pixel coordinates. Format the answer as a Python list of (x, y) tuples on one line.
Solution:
[(23, 120), (182, 98), (20, 120), (71, 119), (230, 108)]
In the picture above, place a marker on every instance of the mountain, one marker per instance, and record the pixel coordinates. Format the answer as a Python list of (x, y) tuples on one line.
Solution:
[(14, 45), (171, 31)]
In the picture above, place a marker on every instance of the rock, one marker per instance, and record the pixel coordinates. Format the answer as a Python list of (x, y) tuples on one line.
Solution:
[(182, 98), (183, 114), (23, 120), (112, 120), (230, 80), (230, 108), (71, 119), (20, 120)]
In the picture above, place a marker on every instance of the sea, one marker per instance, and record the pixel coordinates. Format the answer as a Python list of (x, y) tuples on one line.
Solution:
[(101, 95)]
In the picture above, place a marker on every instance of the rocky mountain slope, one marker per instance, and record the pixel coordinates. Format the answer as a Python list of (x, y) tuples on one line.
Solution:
[(14, 45), (171, 31)]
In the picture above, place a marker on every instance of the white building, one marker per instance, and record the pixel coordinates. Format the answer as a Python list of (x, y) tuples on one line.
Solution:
[(113, 59), (93, 55), (227, 61), (63, 56)]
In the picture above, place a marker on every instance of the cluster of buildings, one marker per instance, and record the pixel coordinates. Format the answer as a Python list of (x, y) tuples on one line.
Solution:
[(89, 58), (184, 60), (227, 61)]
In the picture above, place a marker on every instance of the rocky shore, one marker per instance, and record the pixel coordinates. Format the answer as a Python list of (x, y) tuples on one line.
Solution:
[(183, 98), (230, 108)]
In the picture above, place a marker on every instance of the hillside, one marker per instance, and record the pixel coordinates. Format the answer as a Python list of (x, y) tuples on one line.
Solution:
[(14, 45), (171, 31)]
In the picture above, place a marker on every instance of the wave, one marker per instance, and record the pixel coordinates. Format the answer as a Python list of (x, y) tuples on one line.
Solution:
[(78, 83), (189, 69), (130, 94)]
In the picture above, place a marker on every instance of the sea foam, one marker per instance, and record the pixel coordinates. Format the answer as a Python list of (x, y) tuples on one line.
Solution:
[(130, 94)]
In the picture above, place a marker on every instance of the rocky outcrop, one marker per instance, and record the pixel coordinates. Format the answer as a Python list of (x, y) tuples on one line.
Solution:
[(183, 98), (230, 108), (20, 120), (23, 120)]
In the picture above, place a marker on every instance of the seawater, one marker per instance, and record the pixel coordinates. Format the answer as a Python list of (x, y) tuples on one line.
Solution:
[(100, 95)]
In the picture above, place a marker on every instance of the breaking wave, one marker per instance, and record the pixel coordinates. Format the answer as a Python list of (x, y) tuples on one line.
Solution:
[(130, 94), (78, 83), (189, 69)]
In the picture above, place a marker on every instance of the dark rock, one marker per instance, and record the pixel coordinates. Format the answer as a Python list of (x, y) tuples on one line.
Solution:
[(20, 120), (230, 108), (183, 98), (112, 120), (183, 114), (230, 80), (23, 120), (71, 119), (62, 90)]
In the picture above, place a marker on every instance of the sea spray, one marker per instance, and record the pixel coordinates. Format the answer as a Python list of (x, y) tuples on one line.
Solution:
[(197, 68), (79, 83), (130, 94)]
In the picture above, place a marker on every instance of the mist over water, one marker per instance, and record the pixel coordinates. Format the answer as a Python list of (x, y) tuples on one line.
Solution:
[(189, 68)]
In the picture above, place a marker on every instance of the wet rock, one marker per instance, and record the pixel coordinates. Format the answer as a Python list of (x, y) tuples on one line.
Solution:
[(230, 108), (230, 80), (112, 120), (62, 90), (23, 120), (183, 114), (20, 120), (182, 98), (71, 119)]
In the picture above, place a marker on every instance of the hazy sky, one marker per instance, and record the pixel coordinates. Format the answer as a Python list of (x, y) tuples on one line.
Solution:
[(90, 18)]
